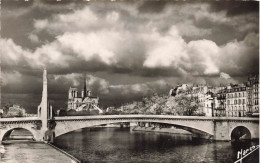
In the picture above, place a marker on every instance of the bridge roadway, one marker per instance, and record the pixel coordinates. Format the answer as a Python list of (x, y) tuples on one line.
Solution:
[(218, 128)]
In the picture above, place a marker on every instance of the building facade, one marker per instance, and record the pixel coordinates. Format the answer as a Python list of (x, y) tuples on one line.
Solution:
[(236, 101), (220, 103), (253, 95)]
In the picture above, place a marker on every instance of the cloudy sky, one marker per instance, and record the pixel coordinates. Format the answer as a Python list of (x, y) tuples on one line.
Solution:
[(127, 49)]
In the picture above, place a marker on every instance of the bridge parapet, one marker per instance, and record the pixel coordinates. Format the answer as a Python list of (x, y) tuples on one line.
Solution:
[(193, 118), (19, 119)]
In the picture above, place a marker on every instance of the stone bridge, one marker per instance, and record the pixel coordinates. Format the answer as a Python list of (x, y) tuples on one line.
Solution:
[(217, 128)]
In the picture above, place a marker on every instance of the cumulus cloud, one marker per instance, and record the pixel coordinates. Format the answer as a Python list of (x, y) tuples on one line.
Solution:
[(97, 85), (200, 57), (108, 39), (40, 24), (34, 38), (73, 78)]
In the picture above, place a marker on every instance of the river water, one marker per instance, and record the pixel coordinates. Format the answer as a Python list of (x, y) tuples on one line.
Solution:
[(123, 145)]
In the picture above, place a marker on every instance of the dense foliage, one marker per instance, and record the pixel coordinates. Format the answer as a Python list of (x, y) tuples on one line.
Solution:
[(181, 104)]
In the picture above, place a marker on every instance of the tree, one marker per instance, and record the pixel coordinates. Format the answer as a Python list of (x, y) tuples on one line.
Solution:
[(158, 110), (20, 114), (186, 105), (170, 106), (6, 110)]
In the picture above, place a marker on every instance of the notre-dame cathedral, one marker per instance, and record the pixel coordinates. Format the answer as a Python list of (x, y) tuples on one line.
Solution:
[(85, 101)]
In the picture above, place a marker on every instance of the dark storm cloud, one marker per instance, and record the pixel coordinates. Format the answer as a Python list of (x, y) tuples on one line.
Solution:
[(152, 6), (235, 7), (15, 82), (23, 17), (62, 2), (14, 4)]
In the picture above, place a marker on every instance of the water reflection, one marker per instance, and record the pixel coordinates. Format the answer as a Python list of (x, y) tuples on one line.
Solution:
[(123, 145)]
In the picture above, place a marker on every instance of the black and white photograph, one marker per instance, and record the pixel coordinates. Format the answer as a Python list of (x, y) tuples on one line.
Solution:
[(129, 81)]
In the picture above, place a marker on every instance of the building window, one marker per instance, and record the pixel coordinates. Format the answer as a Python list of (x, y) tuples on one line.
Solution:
[(243, 101), (235, 102), (228, 102), (239, 101), (238, 94)]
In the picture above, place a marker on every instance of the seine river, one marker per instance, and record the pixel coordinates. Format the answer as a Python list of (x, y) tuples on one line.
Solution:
[(124, 145)]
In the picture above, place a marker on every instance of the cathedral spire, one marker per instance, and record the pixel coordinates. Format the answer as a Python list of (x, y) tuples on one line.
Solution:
[(85, 87)]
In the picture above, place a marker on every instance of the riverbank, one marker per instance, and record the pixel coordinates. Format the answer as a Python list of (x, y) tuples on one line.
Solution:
[(30, 151), (161, 130)]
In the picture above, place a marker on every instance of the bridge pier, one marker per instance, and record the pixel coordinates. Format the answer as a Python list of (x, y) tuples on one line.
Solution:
[(224, 129)]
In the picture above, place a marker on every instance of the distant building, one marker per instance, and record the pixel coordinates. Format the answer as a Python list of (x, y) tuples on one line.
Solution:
[(236, 101), (206, 103), (83, 102), (253, 95), (179, 89), (220, 103)]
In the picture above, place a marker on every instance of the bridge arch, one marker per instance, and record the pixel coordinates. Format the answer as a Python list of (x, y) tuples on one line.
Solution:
[(240, 133), (64, 127), (6, 133)]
